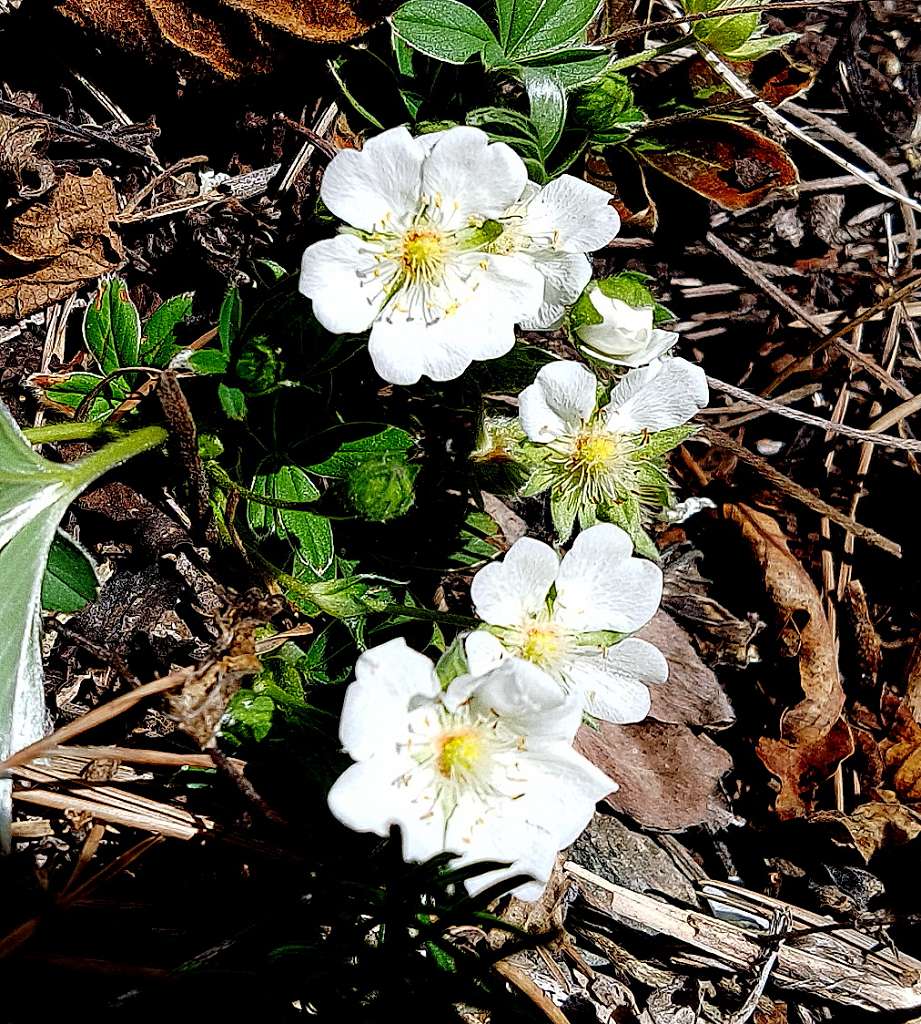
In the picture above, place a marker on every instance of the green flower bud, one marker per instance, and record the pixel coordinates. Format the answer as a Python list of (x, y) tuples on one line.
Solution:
[(381, 488), (606, 108)]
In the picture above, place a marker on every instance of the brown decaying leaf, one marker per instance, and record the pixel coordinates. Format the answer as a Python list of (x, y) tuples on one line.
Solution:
[(775, 77), (624, 179), (230, 38), (901, 754), (24, 171), (668, 775), (724, 161), (871, 826), (692, 695), (54, 245), (813, 737)]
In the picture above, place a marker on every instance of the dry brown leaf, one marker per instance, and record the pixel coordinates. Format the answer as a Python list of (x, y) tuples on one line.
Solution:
[(232, 38), (901, 754), (872, 826), (692, 695), (668, 776), (813, 738), (55, 245), (24, 171)]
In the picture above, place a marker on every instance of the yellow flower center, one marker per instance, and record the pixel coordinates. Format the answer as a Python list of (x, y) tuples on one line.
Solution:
[(422, 254), (541, 644), (595, 451), (458, 753)]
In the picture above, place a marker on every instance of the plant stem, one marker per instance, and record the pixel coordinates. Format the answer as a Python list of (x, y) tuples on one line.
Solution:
[(650, 54), (449, 619), (117, 452), (67, 431)]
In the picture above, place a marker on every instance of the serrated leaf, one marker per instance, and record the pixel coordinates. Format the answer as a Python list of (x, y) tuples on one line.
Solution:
[(112, 327), (446, 30), (233, 402), (207, 361), (158, 344), (253, 712), (70, 580), (574, 68), (313, 533), (390, 441), (70, 390), (563, 511), (548, 107), (528, 28), (230, 320), (665, 440)]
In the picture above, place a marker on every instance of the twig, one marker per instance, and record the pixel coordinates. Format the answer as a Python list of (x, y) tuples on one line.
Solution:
[(831, 427), (173, 169), (797, 491), (770, 289), (683, 19), (832, 131), (323, 123), (78, 131)]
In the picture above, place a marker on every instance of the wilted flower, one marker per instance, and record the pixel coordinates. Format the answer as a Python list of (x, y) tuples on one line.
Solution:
[(552, 228), (567, 618), (414, 265), (626, 335), (484, 770), (608, 462)]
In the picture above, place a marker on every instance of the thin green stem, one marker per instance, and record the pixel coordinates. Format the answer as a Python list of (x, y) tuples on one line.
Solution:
[(225, 480), (117, 452), (67, 431), (650, 54)]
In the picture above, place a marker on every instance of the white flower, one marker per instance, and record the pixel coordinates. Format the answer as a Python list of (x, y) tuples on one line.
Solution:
[(607, 462), (414, 266), (544, 611), (625, 336), (553, 228), (484, 770)]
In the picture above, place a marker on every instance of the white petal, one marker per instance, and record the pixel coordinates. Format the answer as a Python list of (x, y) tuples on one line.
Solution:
[(577, 213), (512, 284), (381, 182), (560, 401), (484, 652), (615, 682), (508, 592), (471, 176), (664, 394), (376, 705), (530, 702), (600, 586), (658, 343), (329, 276), (565, 276)]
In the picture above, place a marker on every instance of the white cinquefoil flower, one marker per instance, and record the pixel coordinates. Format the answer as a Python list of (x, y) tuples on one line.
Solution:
[(626, 335), (554, 613), (413, 264), (485, 769), (607, 462), (553, 228), (447, 247)]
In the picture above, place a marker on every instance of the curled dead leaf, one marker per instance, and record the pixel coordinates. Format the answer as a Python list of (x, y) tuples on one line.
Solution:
[(669, 776), (230, 38), (58, 243), (24, 171), (814, 739), (901, 754), (871, 826), (725, 161)]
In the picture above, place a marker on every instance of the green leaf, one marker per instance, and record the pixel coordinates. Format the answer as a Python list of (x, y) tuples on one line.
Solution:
[(207, 361), (446, 30), (390, 441), (112, 327), (452, 663), (313, 533), (574, 68), (473, 541), (548, 107), (528, 28), (232, 402), (158, 345), (665, 440), (71, 389), (70, 580), (563, 511), (230, 320), (253, 712)]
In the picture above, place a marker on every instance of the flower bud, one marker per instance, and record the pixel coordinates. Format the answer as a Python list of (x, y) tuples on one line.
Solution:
[(616, 331), (381, 488)]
